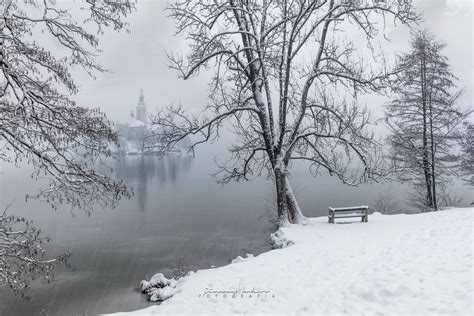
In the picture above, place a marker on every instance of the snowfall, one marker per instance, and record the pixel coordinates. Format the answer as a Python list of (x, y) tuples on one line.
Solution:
[(394, 264)]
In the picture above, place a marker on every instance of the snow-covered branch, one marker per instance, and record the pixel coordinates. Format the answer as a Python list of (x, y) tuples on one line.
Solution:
[(40, 123), (22, 253)]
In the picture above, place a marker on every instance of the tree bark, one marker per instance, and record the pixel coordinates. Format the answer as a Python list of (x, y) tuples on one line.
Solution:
[(288, 208), (280, 182), (433, 175), (426, 163), (294, 212)]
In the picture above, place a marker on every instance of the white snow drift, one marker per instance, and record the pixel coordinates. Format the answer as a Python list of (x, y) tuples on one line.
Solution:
[(394, 264)]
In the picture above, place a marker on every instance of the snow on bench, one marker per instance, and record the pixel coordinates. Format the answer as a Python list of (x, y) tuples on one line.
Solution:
[(348, 212)]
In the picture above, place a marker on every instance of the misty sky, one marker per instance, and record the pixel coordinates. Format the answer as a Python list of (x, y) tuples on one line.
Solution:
[(138, 59)]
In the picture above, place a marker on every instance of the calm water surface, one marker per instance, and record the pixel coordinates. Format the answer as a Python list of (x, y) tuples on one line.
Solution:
[(178, 216)]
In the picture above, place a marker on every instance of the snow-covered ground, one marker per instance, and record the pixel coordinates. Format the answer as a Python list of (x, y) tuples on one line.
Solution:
[(394, 264)]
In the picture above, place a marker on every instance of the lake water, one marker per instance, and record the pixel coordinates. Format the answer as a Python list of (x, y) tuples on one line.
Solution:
[(178, 216)]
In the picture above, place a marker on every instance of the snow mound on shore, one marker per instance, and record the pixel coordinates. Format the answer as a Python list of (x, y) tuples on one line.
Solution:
[(279, 239), (159, 288), (395, 264)]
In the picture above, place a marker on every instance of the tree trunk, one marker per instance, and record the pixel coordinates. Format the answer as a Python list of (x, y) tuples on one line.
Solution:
[(426, 166), (426, 163), (288, 208), (433, 175), (294, 212), (280, 182)]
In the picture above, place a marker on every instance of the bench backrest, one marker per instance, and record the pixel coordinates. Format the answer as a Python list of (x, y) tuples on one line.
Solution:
[(348, 209)]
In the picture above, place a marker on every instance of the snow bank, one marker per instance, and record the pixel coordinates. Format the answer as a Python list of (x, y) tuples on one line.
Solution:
[(394, 264), (240, 258)]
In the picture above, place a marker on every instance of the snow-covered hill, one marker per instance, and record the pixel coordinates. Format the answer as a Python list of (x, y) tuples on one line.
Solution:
[(394, 264)]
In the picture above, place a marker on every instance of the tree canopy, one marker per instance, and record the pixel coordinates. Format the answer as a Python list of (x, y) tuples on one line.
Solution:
[(280, 69)]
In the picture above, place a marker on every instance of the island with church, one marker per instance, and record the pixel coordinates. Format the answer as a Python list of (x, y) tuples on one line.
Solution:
[(136, 134)]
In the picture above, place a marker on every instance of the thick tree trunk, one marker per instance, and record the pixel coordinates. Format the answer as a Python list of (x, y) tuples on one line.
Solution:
[(288, 208), (280, 182), (294, 212)]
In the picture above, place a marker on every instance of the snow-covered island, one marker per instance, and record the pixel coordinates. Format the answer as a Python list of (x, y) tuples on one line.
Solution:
[(136, 134), (393, 265)]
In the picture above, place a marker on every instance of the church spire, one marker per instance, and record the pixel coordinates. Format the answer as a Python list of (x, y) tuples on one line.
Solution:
[(141, 98), (141, 108)]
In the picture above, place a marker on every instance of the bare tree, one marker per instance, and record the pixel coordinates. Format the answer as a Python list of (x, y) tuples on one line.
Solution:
[(386, 203), (40, 122), (424, 118), (279, 66)]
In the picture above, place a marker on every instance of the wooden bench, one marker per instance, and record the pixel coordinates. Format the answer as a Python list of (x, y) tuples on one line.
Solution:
[(348, 212)]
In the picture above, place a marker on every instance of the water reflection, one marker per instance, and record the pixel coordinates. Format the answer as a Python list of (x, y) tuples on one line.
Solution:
[(140, 170)]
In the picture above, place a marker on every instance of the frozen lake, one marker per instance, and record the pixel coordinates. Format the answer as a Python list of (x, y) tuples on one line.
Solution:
[(178, 216)]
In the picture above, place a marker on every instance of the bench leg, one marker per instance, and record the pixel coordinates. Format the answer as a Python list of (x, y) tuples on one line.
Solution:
[(331, 217)]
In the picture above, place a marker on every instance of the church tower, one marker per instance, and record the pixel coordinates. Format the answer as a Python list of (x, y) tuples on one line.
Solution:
[(141, 108)]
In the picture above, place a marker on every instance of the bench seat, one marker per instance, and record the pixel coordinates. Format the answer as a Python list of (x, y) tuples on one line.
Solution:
[(348, 216)]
